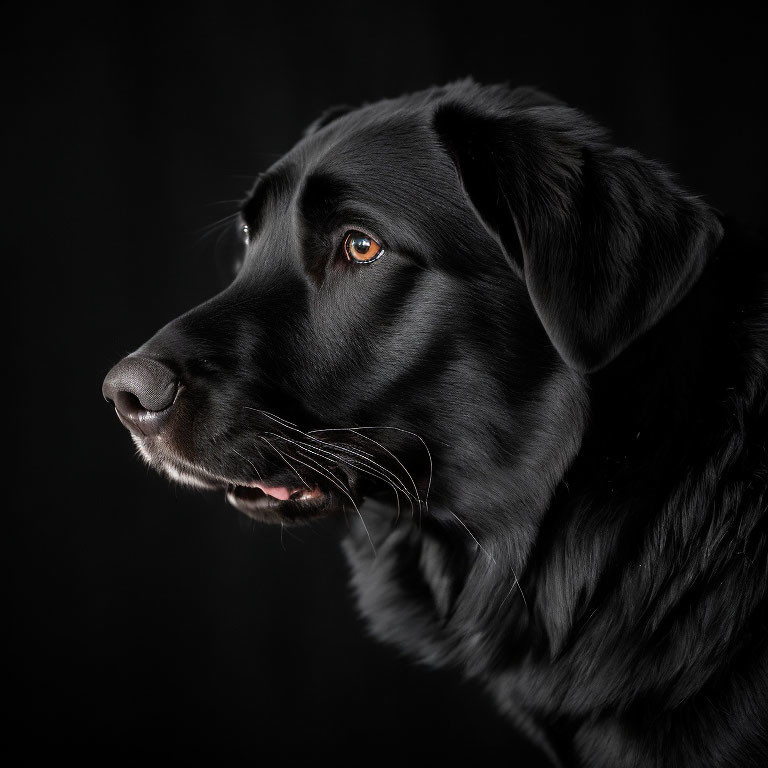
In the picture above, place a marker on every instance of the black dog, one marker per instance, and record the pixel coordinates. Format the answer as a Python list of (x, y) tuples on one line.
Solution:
[(533, 371)]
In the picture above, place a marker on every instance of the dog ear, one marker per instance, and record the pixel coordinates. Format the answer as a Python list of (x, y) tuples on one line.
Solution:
[(604, 239), (328, 116)]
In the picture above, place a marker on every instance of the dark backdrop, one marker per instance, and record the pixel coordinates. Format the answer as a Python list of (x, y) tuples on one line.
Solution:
[(144, 617)]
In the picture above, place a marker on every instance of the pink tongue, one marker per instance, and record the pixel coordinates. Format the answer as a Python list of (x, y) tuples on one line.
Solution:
[(277, 492)]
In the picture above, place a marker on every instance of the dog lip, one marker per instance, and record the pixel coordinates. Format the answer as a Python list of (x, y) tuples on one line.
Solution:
[(252, 498)]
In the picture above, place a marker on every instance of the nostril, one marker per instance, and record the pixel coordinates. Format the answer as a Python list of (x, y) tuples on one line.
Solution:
[(128, 404)]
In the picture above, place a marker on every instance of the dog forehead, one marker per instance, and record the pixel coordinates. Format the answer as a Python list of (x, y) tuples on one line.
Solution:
[(368, 141), (388, 161), (367, 149)]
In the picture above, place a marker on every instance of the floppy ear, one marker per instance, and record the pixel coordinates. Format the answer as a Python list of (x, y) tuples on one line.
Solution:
[(605, 240)]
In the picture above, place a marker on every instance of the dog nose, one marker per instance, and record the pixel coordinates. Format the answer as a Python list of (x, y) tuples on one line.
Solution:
[(142, 391)]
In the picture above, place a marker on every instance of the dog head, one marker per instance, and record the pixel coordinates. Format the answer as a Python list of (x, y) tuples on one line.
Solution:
[(426, 285)]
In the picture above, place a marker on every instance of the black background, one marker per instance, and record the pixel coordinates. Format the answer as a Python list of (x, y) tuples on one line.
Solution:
[(142, 617)]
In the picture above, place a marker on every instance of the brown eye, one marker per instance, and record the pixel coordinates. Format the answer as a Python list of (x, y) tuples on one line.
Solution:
[(361, 248)]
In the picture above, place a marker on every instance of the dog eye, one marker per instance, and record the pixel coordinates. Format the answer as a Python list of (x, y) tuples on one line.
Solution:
[(246, 233), (361, 248)]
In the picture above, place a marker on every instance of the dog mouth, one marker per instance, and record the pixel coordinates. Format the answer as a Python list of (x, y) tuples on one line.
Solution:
[(269, 501), (258, 498)]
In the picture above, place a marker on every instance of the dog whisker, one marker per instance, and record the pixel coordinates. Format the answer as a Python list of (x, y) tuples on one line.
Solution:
[(282, 456), (258, 474), (355, 430), (346, 493), (516, 583), (339, 446), (273, 417), (209, 229), (307, 435), (375, 474), (364, 456), (222, 202), (320, 470), (482, 548), (342, 460), (324, 452), (426, 448)]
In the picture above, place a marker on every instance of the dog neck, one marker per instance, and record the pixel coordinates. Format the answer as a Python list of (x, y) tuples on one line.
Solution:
[(651, 540)]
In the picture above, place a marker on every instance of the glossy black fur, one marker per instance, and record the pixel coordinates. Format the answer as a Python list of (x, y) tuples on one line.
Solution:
[(583, 348)]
